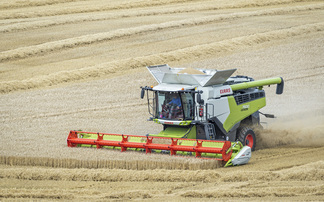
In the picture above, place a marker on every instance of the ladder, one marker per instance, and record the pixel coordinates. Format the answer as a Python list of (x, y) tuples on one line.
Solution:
[(210, 131)]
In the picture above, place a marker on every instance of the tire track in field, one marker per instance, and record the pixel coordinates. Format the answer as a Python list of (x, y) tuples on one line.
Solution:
[(20, 26), (34, 194), (306, 72), (247, 193), (46, 115), (184, 54), (283, 152), (69, 43), (46, 172), (317, 71), (73, 9), (20, 4), (306, 76)]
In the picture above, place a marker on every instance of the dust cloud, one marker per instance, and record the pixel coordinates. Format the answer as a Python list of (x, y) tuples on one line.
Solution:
[(303, 130)]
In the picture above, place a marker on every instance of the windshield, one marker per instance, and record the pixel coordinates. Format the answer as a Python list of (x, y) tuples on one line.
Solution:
[(174, 105)]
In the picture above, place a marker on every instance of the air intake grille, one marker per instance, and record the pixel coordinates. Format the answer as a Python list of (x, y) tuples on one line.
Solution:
[(247, 97)]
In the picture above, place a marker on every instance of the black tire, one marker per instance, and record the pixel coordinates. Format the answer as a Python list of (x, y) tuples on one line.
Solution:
[(247, 137)]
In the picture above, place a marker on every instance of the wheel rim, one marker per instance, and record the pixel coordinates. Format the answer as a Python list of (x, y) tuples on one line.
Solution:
[(249, 140)]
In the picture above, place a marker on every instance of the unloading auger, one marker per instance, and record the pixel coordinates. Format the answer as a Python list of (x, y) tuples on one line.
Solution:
[(205, 113)]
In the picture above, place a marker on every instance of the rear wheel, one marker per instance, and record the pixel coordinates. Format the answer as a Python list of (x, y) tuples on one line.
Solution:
[(247, 137)]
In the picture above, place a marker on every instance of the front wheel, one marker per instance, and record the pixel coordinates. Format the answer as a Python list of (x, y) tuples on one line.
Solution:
[(247, 137)]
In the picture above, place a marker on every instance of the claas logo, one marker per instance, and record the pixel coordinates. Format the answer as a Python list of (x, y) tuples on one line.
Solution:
[(227, 90)]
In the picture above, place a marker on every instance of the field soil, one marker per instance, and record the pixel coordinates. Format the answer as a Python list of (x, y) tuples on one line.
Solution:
[(79, 64)]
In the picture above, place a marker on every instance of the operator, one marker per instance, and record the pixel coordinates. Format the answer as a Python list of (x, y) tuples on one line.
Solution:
[(175, 100)]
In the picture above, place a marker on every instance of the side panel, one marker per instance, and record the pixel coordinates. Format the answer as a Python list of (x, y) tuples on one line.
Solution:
[(221, 108), (239, 112)]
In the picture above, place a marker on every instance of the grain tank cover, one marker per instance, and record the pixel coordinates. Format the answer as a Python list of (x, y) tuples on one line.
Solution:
[(201, 77)]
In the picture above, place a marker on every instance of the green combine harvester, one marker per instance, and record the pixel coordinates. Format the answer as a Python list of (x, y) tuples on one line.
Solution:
[(204, 112)]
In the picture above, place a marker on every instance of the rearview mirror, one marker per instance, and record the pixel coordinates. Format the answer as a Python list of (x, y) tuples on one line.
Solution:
[(199, 100), (142, 93)]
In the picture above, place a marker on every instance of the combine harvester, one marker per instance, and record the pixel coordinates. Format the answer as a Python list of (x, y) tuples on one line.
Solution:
[(204, 112)]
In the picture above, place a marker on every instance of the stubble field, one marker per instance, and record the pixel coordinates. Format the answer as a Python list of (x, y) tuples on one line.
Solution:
[(78, 64)]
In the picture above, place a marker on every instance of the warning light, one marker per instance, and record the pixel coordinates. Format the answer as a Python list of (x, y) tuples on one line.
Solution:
[(201, 111)]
